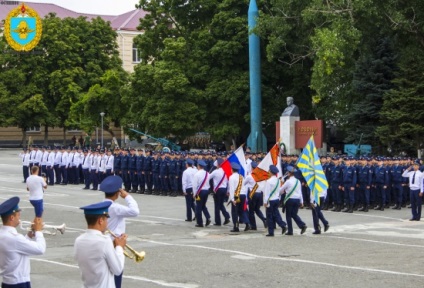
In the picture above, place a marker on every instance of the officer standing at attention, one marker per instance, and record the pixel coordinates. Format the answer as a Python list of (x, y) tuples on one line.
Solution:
[(381, 180), (272, 201), (25, 163), (201, 191), (349, 184), (112, 187), (293, 199), (416, 189), (396, 172), (15, 249), (188, 176), (97, 258)]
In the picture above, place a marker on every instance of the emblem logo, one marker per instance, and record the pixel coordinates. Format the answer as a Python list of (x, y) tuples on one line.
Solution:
[(23, 28)]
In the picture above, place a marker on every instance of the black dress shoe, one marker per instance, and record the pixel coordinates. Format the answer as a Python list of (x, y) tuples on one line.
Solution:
[(412, 219), (303, 230), (247, 228), (326, 227), (187, 220), (208, 222), (316, 232), (253, 229), (93, 189), (85, 188), (226, 221), (235, 230), (289, 234), (214, 224), (198, 225), (269, 235), (284, 230), (194, 219), (265, 224)]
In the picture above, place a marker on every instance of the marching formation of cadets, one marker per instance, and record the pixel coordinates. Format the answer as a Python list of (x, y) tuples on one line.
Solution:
[(355, 184)]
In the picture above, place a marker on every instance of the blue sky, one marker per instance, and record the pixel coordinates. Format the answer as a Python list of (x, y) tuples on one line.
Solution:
[(104, 7)]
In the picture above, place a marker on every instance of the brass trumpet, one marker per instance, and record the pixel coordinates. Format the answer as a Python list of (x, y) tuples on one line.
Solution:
[(137, 256), (55, 229)]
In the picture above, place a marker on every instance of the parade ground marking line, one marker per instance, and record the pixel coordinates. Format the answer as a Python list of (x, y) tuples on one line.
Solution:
[(373, 216), (291, 260), (138, 278), (376, 241)]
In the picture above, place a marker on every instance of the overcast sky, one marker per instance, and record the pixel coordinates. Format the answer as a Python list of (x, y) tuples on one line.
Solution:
[(104, 7)]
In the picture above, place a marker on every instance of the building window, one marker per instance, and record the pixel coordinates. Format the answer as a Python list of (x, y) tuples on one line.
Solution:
[(34, 129), (135, 54)]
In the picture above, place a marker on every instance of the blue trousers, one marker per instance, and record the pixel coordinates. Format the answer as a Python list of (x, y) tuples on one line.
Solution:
[(50, 175), (398, 193), (336, 193), (416, 202), (238, 213), (201, 207), (141, 181), (25, 171), (317, 215), (349, 195), (219, 198), (118, 280), (94, 179), (134, 179), (380, 194), (173, 182), (273, 216), (64, 173), (189, 204), (20, 285), (364, 194), (255, 205), (292, 207), (58, 174)]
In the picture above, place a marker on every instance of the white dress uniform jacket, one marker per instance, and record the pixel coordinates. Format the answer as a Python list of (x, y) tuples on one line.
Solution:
[(97, 259), (117, 213), (15, 250)]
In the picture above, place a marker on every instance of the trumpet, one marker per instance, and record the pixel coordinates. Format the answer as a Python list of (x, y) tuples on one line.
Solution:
[(54, 228), (137, 256)]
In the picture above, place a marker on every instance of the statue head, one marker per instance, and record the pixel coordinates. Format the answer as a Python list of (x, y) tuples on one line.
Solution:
[(290, 101)]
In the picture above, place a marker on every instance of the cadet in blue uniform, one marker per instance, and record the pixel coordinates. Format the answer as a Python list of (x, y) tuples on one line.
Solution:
[(132, 168), (125, 169), (163, 174), (15, 249), (117, 162), (396, 172), (173, 172), (381, 180), (139, 165), (349, 184), (364, 185), (336, 182), (147, 172), (155, 172)]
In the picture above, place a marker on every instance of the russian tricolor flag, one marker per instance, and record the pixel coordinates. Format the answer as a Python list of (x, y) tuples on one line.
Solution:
[(237, 157)]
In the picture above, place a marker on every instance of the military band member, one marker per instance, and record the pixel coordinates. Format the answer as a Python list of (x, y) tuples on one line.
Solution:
[(238, 199), (272, 201), (112, 187), (15, 248), (97, 258), (220, 183), (201, 191), (292, 193), (188, 176), (416, 189)]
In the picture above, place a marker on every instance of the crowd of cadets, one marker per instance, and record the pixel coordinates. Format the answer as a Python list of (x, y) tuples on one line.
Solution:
[(354, 184)]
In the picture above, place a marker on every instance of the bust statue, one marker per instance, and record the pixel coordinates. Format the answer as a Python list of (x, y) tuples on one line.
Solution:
[(291, 109)]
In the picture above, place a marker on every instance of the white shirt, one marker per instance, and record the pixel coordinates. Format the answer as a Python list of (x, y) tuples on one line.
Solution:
[(418, 185), (15, 250), (44, 158), (25, 158), (187, 179), (50, 159), (57, 158), (233, 184), (249, 182), (270, 185), (98, 261), (118, 212), (86, 162), (64, 159), (32, 156), (288, 186), (109, 162), (38, 156), (217, 175), (35, 186), (198, 180)]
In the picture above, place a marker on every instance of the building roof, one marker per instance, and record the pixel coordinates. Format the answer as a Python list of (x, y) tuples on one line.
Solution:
[(127, 21)]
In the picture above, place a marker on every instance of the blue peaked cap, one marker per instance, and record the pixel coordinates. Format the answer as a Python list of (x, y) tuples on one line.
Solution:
[(111, 184), (9, 206), (101, 208)]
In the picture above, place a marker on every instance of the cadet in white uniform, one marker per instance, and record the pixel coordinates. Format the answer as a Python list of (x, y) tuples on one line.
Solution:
[(15, 249), (112, 187), (200, 193), (187, 184), (97, 259), (237, 197), (293, 199), (220, 183)]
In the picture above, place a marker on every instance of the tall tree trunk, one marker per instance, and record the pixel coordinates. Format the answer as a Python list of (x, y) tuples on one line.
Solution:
[(24, 134), (46, 135)]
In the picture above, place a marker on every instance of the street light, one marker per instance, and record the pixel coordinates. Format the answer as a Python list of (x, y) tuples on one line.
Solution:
[(102, 114)]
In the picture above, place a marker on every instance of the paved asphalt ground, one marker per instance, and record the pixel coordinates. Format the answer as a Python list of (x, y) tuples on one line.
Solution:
[(375, 249)]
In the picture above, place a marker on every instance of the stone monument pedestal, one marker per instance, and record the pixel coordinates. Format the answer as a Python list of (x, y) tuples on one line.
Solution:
[(287, 133)]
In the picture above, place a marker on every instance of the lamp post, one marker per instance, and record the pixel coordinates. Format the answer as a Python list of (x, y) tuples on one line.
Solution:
[(102, 114)]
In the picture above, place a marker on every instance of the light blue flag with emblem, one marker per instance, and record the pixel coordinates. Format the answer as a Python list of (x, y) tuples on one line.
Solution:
[(310, 166)]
